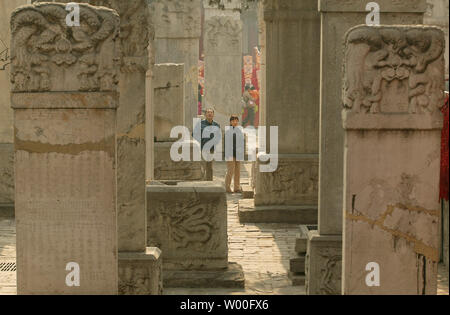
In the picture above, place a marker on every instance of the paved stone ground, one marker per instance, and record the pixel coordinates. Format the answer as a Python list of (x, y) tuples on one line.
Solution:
[(263, 250)]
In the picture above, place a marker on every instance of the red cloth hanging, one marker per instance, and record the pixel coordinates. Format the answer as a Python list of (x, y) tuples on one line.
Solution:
[(444, 189)]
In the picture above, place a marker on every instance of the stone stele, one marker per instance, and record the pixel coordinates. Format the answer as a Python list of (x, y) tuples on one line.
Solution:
[(392, 94), (64, 96)]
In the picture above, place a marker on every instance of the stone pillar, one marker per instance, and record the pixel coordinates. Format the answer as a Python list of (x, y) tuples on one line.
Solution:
[(325, 245), (223, 63), (392, 123), (177, 38), (65, 154), (262, 44), (6, 113), (289, 194), (437, 14), (136, 33), (168, 84)]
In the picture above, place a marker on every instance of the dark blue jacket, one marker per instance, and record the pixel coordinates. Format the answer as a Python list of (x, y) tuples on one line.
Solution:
[(203, 125)]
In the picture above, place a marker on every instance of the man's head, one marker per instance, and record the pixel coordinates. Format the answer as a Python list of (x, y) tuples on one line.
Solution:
[(234, 120), (209, 114)]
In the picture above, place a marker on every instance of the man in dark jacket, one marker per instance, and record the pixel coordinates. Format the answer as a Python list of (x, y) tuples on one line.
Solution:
[(213, 139)]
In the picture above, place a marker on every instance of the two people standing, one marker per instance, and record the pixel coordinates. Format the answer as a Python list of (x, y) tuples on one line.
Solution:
[(234, 148)]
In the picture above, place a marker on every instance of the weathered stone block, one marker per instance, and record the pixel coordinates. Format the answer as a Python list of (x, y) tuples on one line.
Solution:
[(168, 84), (249, 213), (188, 222), (323, 277), (293, 183), (6, 174), (392, 157), (141, 273), (297, 264), (223, 67), (65, 150), (167, 169)]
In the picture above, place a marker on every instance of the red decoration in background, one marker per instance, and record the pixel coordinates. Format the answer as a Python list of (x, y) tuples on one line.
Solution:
[(444, 189)]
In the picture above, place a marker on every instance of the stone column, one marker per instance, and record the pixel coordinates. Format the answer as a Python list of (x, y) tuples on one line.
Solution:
[(223, 63), (262, 45), (289, 195), (325, 245), (177, 38), (437, 14), (136, 33), (6, 113), (168, 85), (64, 119), (392, 123)]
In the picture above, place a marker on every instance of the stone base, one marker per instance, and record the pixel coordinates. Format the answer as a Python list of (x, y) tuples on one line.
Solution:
[(232, 277), (140, 273), (323, 264), (6, 173), (7, 211), (298, 279), (249, 213), (247, 192)]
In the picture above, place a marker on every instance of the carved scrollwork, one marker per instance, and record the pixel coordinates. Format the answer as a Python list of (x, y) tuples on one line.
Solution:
[(49, 55), (394, 70)]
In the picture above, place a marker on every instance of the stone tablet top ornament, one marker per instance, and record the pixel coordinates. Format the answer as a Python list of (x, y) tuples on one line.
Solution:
[(49, 55), (398, 62), (393, 77)]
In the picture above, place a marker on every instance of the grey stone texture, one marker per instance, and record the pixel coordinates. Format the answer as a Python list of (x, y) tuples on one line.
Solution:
[(188, 222), (177, 40), (289, 33), (223, 67), (65, 153), (392, 157), (167, 169), (249, 213), (141, 273), (336, 18), (323, 274), (168, 99), (6, 113)]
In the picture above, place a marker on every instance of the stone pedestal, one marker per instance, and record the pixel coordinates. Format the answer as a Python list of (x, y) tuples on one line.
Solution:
[(336, 18), (323, 276), (392, 158), (65, 152), (223, 67), (177, 40), (6, 113), (290, 27), (141, 273), (188, 221)]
